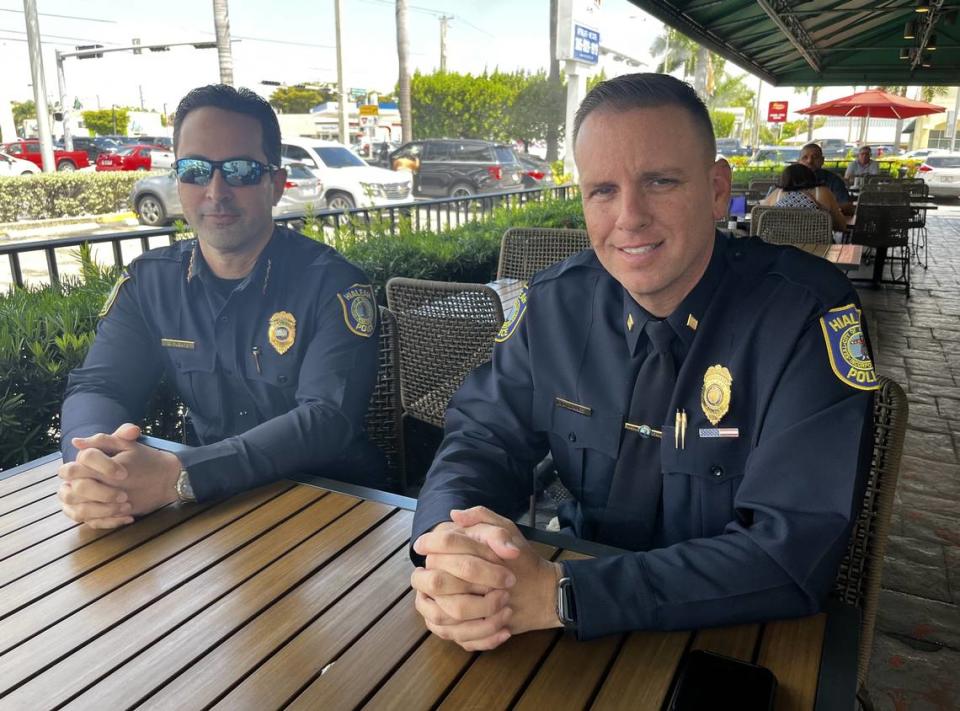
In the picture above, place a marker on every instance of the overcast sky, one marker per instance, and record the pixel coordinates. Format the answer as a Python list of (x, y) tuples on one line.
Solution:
[(293, 41)]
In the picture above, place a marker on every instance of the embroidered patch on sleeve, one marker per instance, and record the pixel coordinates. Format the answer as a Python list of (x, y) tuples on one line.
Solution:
[(510, 325), (112, 296), (359, 309), (847, 348)]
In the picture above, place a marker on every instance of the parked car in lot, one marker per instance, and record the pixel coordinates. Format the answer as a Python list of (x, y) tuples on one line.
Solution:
[(833, 148), (458, 167), (156, 201), (731, 147), (537, 173), (349, 182), (921, 153), (941, 173), (10, 166), (136, 158), (776, 154), (89, 145), (164, 141), (30, 150)]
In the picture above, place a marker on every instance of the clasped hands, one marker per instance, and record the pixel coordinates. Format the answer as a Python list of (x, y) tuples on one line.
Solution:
[(482, 581), (115, 478)]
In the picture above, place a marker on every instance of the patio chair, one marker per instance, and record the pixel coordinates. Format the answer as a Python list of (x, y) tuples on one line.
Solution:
[(883, 222), (784, 225), (758, 188), (755, 213), (526, 250), (446, 330), (383, 423), (858, 580)]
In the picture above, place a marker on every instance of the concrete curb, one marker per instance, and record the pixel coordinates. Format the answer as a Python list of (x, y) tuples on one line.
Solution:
[(14, 231)]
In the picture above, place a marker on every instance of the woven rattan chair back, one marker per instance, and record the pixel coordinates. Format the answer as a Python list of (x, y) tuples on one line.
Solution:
[(383, 422), (446, 330), (784, 225), (755, 213), (858, 582), (524, 251)]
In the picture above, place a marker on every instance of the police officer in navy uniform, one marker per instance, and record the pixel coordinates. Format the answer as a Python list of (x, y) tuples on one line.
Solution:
[(268, 337), (706, 400)]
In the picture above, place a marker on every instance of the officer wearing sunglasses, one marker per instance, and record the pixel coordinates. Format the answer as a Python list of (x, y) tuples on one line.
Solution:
[(268, 337)]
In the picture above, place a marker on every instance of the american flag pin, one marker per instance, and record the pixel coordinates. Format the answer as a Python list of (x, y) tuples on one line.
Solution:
[(715, 432)]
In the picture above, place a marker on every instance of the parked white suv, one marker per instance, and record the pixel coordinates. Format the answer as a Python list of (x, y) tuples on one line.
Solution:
[(349, 181)]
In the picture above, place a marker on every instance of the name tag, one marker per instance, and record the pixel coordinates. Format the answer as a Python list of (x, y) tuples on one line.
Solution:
[(178, 343), (573, 406)]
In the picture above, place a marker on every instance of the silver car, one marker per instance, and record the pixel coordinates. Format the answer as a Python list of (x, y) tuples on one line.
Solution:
[(156, 202), (941, 173)]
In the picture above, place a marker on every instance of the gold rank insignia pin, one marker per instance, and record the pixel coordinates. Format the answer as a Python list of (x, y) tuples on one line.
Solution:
[(715, 397), (630, 322), (692, 323), (283, 331)]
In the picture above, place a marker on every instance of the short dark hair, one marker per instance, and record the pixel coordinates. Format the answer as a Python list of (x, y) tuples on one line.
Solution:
[(797, 176), (647, 90), (813, 145), (242, 101)]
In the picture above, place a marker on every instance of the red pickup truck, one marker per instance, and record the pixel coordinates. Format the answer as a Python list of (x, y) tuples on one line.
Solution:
[(30, 150)]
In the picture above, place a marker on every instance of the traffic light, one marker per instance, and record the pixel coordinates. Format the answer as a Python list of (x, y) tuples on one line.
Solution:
[(82, 47)]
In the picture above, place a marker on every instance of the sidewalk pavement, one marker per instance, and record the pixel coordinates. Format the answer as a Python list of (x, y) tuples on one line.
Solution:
[(63, 226)]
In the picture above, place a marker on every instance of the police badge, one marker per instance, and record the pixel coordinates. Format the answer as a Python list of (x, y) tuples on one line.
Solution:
[(283, 331), (359, 309), (510, 325), (112, 297), (847, 348), (715, 396)]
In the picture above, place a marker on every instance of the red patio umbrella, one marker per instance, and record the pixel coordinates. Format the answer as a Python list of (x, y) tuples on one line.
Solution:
[(873, 104)]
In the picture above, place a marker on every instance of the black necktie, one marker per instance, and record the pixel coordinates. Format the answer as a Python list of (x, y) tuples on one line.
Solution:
[(633, 505)]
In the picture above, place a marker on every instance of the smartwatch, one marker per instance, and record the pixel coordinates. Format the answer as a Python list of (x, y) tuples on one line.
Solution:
[(184, 489), (566, 606)]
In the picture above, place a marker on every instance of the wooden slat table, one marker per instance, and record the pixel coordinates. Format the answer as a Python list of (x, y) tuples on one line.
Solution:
[(297, 595), (845, 256)]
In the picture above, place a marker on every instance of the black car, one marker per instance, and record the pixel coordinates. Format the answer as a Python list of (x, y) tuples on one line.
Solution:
[(91, 144), (537, 173), (458, 167)]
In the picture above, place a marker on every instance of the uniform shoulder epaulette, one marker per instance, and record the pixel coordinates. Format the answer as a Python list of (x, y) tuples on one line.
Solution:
[(587, 259), (170, 253)]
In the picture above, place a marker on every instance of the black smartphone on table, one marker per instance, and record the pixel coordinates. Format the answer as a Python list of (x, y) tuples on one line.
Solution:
[(713, 681)]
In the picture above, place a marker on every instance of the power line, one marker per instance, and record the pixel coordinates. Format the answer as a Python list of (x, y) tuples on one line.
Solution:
[(63, 17), (75, 39), (435, 13)]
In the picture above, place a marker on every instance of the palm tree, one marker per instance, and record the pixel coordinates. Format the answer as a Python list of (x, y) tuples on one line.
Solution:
[(403, 49), (221, 23), (553, 78)]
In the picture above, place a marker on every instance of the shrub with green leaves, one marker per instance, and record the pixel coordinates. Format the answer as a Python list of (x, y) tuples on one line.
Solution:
[(45, 333), (40, 197)]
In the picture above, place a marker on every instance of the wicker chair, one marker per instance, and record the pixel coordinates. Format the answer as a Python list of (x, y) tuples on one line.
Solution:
[(384, 427), (446, 330), (858, 581), (755, 213), (784, 225), (526, 250)]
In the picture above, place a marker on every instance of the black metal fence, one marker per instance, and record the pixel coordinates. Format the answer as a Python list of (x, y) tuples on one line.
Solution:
[(442, 213)]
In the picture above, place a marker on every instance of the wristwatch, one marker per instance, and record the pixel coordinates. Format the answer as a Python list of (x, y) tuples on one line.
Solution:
[(566, 606), (184, 489)]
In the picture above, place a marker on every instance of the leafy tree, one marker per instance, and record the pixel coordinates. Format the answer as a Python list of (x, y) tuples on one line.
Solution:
[(793, 128), (722, 123), (101, 121), (23, 111), (297, 99), (537, 110)]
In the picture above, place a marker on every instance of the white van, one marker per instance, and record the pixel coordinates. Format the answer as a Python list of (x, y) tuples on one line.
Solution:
[(349, 181)]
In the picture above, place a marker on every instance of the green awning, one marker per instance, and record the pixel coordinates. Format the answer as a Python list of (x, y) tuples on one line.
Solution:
[(821, 42)]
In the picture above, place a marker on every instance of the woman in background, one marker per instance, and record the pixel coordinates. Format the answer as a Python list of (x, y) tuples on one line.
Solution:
[(798, 188)]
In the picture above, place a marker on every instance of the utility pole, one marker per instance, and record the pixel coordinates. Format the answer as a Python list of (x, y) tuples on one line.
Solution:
[(221, 25), (444, 19), (64, 104), (39, 85), (341, 88), (953, 125)]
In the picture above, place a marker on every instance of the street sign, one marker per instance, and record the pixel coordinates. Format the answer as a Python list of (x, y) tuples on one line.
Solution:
[(586, 44), (369, 110), (358, 93), (777, 112)]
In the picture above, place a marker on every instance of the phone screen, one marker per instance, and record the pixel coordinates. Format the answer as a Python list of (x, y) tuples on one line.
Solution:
[(713, 681)]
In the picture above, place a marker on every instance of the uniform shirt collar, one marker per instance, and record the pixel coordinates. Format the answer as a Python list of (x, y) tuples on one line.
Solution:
[(260, 274), (686, 317)]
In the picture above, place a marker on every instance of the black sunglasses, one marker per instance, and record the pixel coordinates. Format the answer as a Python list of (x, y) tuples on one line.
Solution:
[(236, 171)]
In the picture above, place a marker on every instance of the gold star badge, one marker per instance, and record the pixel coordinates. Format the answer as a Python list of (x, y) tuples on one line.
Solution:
[(630, 322)]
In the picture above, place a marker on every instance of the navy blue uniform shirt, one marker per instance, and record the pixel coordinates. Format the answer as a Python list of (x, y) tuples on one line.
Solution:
[(755, 507), (276, 372), (834, 183)]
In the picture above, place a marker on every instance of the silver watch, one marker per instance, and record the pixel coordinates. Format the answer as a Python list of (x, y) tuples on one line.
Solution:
[(184, 489)]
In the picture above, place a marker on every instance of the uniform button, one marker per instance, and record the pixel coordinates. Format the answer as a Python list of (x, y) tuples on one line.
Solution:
[(572, 436), (243, 413), (716, 470), (281, 378)]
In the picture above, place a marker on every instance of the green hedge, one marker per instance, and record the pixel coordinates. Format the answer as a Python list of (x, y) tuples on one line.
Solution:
[(45, 332), (40, 197)]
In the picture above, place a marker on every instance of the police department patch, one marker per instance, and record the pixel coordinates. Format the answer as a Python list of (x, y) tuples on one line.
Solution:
[(847, 348), (359, 309), (282, 332), (510, 325), (114, 293)]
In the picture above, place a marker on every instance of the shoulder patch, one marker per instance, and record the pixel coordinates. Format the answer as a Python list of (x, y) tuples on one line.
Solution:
[(359, 309), (847, 348), (112, 296), (516, 316)]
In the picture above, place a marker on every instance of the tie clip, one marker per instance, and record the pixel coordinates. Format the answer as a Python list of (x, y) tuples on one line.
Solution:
[(643, 430)]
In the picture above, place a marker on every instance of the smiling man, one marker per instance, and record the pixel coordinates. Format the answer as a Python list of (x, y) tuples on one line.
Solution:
[(268, 337), (706, 400)]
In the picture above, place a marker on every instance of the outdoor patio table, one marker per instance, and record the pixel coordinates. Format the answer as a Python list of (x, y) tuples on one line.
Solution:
[(297, 595)]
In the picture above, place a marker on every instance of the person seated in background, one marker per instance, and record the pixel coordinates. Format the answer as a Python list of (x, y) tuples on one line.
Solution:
[(811, 155), (707, 402), (268, 337), (860, 167), (798, 188)]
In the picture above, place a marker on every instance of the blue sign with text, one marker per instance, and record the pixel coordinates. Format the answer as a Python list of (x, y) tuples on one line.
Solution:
[(586, 44)]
